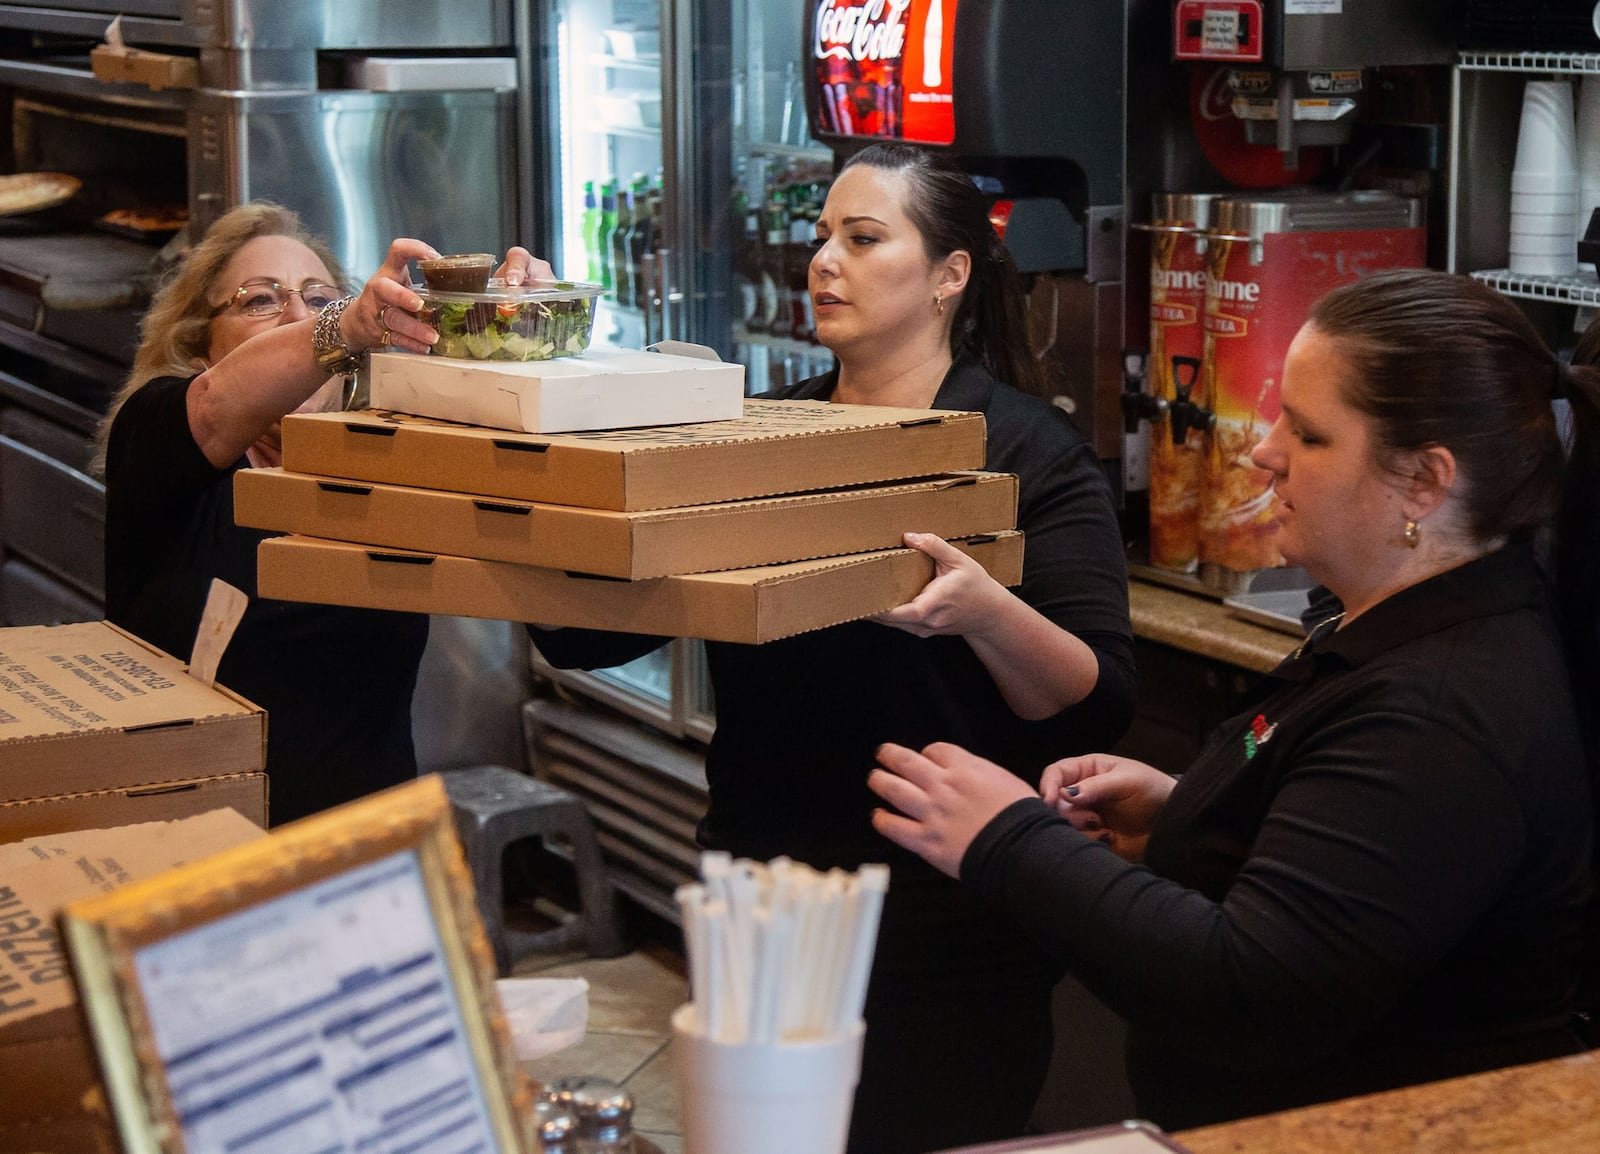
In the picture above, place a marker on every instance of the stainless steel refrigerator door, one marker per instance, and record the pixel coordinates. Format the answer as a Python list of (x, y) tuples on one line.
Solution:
[(362, 168)]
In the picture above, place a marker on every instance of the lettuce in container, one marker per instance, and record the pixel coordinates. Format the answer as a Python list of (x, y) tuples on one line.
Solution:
[(533, 322)]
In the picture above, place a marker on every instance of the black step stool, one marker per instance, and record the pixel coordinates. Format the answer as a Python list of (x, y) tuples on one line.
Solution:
[(495, 807)]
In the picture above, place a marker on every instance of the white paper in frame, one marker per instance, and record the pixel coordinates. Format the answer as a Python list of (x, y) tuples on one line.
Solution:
[(325, 988)]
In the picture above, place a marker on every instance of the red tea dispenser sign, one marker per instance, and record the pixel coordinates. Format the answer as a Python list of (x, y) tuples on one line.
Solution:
[(1267, 262), (883, 68)]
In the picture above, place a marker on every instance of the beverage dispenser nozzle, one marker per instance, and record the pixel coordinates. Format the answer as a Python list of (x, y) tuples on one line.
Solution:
[(1137, 405), (1182, 413)]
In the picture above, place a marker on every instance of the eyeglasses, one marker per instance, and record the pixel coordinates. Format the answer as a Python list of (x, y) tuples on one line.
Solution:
[(268, 298)]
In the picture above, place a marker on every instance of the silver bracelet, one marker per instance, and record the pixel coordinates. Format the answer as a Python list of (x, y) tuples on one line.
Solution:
[(327, 340)]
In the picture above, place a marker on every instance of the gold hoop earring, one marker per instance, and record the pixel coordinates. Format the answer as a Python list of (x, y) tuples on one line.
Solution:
[(938, 303), (1412, 534)]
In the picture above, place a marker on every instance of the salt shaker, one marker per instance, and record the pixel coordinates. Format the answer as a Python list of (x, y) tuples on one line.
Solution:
[(604, 1111), (555, 1128)]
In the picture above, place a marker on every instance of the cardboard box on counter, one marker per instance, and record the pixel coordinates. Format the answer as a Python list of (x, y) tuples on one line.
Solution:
[(657, 543), (244, 793), (48, 1059), (603, 389), (744, 605), (115, 64), (776, 447), (89, 707)]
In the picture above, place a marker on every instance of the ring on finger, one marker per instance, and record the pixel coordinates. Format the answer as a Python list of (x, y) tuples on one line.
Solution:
[(383, 315), (387, 339)]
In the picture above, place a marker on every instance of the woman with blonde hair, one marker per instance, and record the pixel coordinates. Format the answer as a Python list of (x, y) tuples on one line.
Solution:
[(251, 326)]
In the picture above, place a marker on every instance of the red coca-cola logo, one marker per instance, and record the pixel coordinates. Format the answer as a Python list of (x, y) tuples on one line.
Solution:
[(874, 30)]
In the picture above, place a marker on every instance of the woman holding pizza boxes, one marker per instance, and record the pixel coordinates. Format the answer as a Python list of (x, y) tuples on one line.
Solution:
[(251, 326), (1381, 874), (920, 303)]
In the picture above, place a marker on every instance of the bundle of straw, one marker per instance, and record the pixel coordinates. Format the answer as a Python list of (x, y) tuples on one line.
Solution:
[(779, 952)]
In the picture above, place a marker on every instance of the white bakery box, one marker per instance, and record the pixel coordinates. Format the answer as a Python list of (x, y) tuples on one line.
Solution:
[(604, 388)]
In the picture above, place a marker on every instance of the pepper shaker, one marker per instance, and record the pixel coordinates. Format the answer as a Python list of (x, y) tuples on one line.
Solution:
[(604, 1112)]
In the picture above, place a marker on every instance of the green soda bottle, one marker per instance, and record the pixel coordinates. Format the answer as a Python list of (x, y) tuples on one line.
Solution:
[(591, 232), (608, 226)]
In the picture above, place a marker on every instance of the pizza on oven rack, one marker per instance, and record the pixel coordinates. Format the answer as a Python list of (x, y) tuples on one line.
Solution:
[(159, 218), (32, 191)]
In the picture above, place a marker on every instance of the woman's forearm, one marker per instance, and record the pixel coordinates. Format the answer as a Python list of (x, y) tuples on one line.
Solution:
[(239, 398), (1039, 667)]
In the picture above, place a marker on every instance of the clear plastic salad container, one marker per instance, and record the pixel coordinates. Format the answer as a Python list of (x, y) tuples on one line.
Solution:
[(532, 322)]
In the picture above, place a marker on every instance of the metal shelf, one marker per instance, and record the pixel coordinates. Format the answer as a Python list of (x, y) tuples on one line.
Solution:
[(69, 359), (632, 130), (1573, 62), (627, 63), (801, 152), (1578, 289), (92, 25), (785, 345), (60, 80)]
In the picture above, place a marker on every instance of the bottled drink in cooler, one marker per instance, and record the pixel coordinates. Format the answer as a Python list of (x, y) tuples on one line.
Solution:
[(591, 231), (775, 292), (641, 237), (802, 228), (619, 248), (745, 230), (608, 226)]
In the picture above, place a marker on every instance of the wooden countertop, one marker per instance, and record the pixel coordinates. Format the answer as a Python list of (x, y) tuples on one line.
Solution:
[(1547, 1108), (1203, 626)]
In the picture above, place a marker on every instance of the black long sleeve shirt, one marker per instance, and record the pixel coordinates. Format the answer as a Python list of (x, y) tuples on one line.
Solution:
[(798, 720), (1377, 877), (336, 682)]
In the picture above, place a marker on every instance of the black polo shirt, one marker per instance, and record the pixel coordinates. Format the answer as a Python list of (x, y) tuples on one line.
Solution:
[(1376, 877)]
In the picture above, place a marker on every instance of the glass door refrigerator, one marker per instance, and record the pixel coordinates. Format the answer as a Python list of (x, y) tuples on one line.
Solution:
[(678, 170)]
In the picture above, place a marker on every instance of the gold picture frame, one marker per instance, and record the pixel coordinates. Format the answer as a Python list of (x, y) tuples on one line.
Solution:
[(327, 970)]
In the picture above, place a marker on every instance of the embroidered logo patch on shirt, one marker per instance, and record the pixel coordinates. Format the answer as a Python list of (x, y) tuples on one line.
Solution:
[(1260, 733)]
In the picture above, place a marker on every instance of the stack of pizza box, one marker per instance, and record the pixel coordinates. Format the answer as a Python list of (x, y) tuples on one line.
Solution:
[(788, 518)]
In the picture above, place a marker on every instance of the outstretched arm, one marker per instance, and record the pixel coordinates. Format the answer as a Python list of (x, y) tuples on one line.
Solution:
[(240, 398)]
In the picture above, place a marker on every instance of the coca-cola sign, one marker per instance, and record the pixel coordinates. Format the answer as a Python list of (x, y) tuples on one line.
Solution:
[(883, 68)]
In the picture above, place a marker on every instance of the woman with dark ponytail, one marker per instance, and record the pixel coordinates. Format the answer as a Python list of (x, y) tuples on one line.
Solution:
[(921, 305), (1382, 873)]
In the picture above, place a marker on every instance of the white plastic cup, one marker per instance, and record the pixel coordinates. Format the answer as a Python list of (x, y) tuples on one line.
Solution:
[(1523, 265), (1541, 224), (770, 1098), (1524, 245), (1561, 183), (1547, 140), (1543, 203)]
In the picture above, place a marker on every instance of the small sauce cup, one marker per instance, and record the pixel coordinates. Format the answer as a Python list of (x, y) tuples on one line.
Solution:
[(461, 273)]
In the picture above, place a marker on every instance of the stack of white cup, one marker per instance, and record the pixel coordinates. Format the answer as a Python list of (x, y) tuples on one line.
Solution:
[(1588, 155), (1544, 183)]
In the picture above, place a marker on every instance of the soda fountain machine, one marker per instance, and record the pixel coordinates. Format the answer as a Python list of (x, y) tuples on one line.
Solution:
[(1246, 206)]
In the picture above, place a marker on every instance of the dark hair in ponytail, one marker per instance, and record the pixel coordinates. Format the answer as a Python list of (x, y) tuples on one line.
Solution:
[(1441, 359), (991, 323)]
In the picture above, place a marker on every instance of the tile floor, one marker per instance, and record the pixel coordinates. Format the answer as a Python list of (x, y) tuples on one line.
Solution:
[(631, 1000)]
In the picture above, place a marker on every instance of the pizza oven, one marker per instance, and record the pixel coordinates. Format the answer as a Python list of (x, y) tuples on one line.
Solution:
[(217, 103)]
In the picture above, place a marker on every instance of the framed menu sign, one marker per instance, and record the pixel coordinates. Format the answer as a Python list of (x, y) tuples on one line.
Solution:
[(326, 988)]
